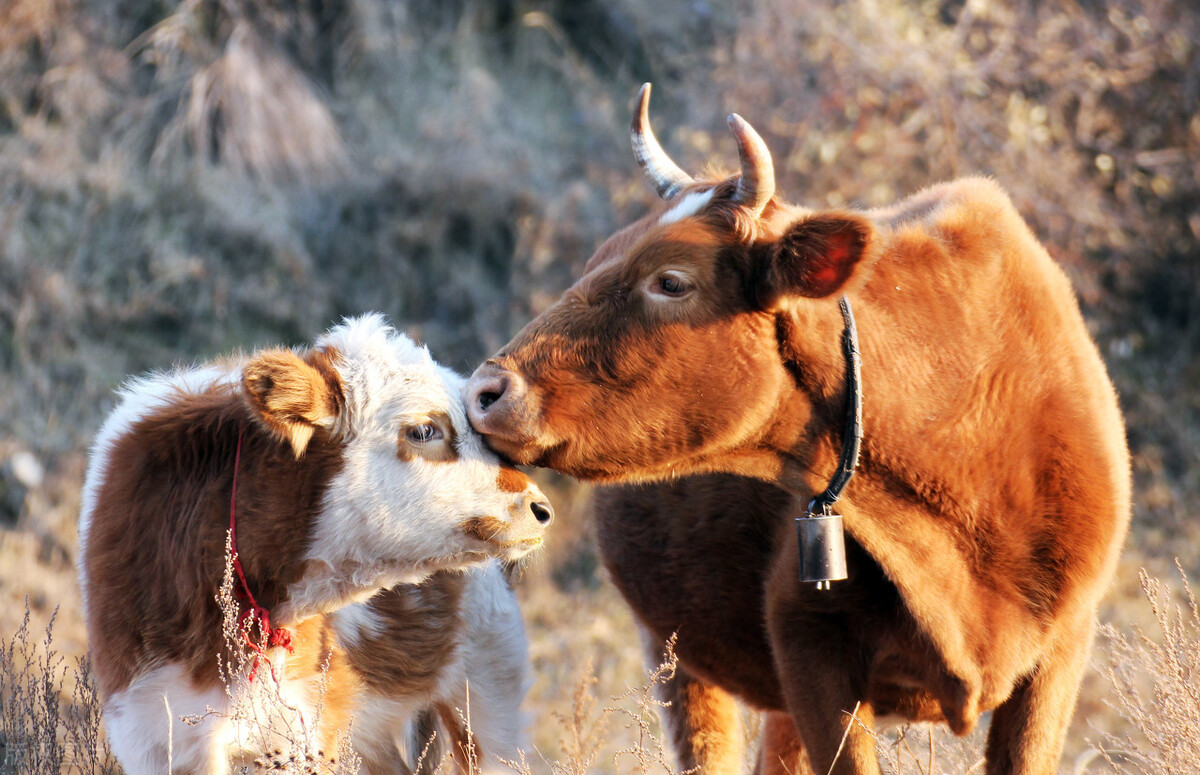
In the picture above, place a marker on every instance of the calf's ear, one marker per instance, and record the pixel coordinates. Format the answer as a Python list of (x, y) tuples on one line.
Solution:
[(290, 396), (814, 257)]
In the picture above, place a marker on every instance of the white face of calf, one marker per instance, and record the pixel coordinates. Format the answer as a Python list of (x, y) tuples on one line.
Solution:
[(417, 490)]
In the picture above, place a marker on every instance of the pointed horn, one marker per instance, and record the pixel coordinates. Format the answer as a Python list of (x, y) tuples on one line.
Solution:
[(757, 185), (667, 177)]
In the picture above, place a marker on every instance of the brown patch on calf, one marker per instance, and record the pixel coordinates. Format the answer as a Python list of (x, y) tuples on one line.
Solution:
[(418, 626), (512, 480), (152, 580), (484, 528), (462, 743), (315, 649)]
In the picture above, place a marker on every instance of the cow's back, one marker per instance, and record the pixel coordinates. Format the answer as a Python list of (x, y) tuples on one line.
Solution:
[(985, 388)]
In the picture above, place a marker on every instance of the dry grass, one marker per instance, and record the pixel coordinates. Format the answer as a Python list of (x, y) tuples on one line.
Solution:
[(276, 733), (184, 178), (51, 717), (1153, 677)]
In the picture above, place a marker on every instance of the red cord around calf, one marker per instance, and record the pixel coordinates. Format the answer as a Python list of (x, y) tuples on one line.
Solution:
[(280, 636)]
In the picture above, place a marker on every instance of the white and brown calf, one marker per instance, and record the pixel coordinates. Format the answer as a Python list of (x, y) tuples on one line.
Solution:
[(370, 522)]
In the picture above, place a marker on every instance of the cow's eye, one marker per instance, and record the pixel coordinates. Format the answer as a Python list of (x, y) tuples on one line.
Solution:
[(672, 285), (424, 433)]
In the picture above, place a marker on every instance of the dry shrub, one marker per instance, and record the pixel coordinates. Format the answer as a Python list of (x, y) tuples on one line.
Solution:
[(925, 749), (242, 104), (51, 712), (1154, 686), (588, 725), (262, 720)]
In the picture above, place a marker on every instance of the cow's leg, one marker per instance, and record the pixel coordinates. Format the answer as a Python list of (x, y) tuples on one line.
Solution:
[(836, 729), (147, 732), (782, 750), (703, 722), (1028, 730), (820, 671)]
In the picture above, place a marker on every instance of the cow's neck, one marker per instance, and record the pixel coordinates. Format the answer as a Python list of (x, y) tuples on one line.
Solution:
[(813, 418)]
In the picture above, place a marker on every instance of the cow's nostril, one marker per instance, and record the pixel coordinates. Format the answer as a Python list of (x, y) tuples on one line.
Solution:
[(542, 512), (489, 390)]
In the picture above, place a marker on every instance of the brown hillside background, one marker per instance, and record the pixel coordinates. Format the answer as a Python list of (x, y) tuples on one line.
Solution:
[(179, 180)]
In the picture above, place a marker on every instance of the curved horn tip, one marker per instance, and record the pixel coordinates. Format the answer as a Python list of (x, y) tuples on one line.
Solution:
[(667, 177), (742, 128), (641, 111), (757, 184)]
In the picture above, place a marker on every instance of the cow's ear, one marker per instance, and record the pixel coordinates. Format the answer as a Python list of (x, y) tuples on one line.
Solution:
[(291, 397), (815, 256)]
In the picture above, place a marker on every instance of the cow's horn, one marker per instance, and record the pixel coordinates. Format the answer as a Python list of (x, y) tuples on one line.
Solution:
[(667, 177), (758, 171)]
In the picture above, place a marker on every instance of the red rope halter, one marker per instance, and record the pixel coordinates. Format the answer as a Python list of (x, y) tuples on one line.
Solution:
[(276, 636)]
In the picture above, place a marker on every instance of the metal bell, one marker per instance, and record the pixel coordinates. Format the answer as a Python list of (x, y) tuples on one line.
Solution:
[(822, 548)]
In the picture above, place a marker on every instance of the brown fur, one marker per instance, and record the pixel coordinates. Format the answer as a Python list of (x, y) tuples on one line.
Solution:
[(293, 397), (459, 737), (419, 626), (136, 619), (483, 528), (511, 480), (315, 648), (985, 518), (707, 729)]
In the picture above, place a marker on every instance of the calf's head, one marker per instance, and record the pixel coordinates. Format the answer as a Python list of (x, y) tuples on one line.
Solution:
[(669, 356), (416, 489)]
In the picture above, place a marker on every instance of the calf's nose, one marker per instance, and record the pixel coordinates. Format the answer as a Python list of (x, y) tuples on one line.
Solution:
[(495, 401), (543, 512)]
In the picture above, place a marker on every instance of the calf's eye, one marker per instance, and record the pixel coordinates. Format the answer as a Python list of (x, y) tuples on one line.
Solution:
[(424, 433)]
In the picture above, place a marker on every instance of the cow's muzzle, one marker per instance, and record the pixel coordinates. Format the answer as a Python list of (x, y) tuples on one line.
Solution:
[(502, 408)]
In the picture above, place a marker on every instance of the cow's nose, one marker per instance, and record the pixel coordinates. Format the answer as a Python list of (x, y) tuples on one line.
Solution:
[(495, 398)]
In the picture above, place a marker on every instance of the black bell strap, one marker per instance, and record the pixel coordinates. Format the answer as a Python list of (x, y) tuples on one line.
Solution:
[(819, 530)]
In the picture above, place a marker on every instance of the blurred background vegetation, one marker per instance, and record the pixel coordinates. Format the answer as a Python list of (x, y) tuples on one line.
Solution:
[(182, 179)]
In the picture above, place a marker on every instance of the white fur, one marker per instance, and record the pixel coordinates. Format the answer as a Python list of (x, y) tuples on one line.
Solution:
[(687, 207), (496, 668), (163, 723), (147, 734), (355, 622)]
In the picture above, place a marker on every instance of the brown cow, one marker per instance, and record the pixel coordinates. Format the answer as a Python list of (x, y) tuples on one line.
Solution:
[(985, 520)]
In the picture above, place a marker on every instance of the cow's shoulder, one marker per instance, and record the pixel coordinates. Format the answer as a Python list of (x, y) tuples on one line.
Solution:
[(972, 219)]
